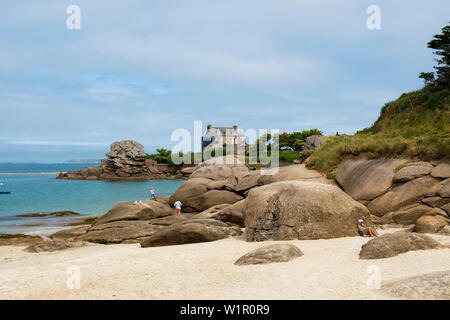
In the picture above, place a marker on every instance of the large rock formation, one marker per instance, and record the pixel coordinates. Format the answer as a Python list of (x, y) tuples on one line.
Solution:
[(126, 158), (412, 171), (230, 214), (313, 142), (366, 179), (301, 210), (434, 286), (127, 161), (292, 172), (392, 244), (69, 234), (195, 196), (402, 195), (18, 239), (120, 232), (192, 231), (430, 224), (270, 254), (442, 170), (410, 214), (129, 210), (400, 191)]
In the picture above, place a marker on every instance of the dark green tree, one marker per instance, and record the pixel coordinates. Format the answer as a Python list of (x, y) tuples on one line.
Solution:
[(441, 45), (428, 77), (162, 156), (296, 140)]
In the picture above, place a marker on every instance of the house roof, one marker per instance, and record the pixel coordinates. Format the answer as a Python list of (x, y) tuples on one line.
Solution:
[(223, 131)]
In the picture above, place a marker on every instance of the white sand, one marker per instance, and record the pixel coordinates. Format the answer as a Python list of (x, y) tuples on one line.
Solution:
[(329, 269)]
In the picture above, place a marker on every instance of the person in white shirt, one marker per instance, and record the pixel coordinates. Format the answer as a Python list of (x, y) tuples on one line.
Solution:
[(177, 206)]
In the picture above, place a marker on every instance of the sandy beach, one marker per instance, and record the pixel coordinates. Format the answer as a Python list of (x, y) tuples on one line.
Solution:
[(329, 269)]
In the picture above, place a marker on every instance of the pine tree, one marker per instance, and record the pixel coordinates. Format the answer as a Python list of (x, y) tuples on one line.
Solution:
[(441, 45)]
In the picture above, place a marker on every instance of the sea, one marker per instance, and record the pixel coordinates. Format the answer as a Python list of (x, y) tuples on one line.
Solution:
[(35, 189)]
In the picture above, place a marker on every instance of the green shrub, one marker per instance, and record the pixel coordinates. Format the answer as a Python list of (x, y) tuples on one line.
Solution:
[(415, 125)]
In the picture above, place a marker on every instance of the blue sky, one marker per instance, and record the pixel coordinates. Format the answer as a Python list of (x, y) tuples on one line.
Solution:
[(141, 69)]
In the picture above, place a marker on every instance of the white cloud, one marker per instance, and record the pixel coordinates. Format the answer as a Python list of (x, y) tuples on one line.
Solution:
[(181, 58)]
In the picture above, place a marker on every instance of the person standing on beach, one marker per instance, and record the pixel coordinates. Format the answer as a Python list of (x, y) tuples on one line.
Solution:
[(152, 194), (177, 206)]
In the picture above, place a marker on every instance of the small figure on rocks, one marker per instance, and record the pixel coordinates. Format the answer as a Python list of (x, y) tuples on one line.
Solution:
[(365, 231), (177, 206), (152, 194)]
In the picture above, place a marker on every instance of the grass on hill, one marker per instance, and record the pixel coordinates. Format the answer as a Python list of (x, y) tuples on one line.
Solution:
[(416, 125)]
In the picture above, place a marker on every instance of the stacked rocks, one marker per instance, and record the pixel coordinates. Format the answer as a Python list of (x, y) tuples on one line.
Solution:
[(400, 191), (128, 161), (125, 159)]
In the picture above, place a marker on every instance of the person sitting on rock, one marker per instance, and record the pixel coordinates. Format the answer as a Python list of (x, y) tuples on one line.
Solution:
[(365, 231), (177, 206)]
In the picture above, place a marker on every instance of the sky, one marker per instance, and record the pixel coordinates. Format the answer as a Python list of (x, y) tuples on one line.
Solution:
[(141, 69)]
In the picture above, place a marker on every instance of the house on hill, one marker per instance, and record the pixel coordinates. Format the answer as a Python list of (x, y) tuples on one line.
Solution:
[(216, 137)]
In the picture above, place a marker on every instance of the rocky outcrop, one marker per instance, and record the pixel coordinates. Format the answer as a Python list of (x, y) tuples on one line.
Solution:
[(430, 286), (129, 210), (444, 191), (402, 195), (127, 161), (195, 196), (51, 214), (247, 181), (170, 220), (442, 170), (313, 142), (410, 214), (412, 171), (230, 214), (399, 191), (430, 224), (445, 230), (436, 202), (301, 210), (120, 232), (190, 232), (366, 179), (18, 239), (51, 246), (392, 244), (292, 172), (215, 197), (69, 234), (270, 254), (446, 208)]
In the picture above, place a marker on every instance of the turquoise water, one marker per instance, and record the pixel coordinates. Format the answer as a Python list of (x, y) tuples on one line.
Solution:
[(40, 193)]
